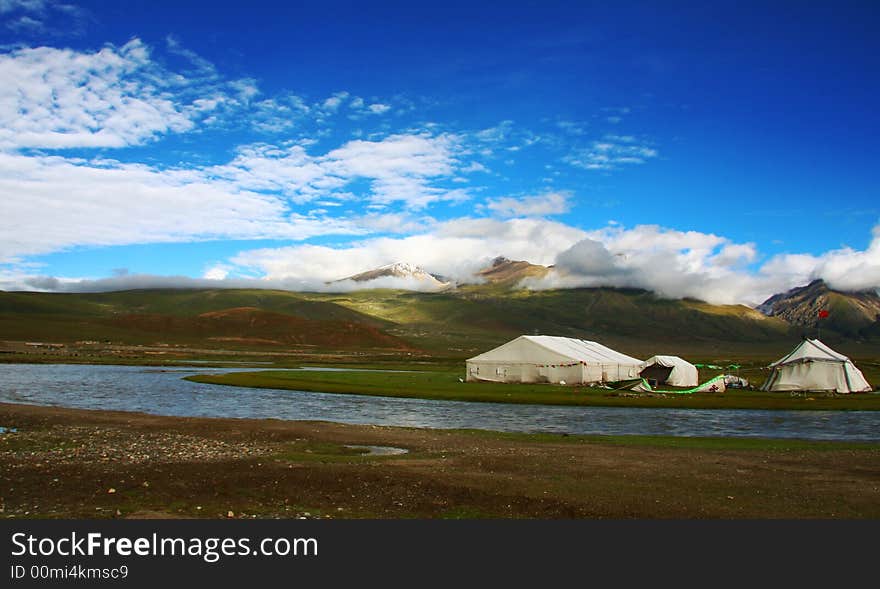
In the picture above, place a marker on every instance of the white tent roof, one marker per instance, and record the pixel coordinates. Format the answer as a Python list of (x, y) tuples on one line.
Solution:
[(577, 350), (667, 361), (811, 349), (684, 374)]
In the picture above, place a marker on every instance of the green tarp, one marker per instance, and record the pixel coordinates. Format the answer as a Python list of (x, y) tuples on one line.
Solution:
[(714, 385)]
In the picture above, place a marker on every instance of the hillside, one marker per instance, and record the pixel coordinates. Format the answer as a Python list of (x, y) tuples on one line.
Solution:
[(510, 272), (451, 324), (236, 319), (473, 318), (853, 314)]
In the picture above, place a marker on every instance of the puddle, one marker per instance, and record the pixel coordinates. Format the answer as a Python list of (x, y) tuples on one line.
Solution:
[(379, 450), (12, 430)]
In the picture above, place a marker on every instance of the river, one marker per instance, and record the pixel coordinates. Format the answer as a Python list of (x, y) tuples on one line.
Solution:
[(162, 391)]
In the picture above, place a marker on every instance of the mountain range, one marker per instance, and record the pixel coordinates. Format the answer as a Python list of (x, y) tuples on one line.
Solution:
[(855, 314), (453, 320), (502, 271), (401, 270)]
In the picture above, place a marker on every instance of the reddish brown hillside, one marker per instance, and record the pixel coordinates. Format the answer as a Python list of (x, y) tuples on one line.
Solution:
[(249, 325)]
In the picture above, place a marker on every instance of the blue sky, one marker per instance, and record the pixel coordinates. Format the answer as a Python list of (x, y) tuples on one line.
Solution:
[(719, 150)]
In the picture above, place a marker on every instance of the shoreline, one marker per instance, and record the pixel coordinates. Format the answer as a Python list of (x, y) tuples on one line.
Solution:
[(63, 463)]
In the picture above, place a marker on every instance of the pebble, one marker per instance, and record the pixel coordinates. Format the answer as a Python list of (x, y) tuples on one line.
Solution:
[(86, 444)]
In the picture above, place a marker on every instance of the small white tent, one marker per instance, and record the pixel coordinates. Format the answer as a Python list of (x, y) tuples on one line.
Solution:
[(813, 366), (544, 358), (670, 370)]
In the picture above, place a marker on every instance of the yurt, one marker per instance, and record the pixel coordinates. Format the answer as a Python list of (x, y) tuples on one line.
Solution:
[(813, 366), (544, 358), (670, 370)]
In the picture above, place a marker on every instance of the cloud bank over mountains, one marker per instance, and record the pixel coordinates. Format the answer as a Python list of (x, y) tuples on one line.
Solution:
[(71, 177), (671, 263)]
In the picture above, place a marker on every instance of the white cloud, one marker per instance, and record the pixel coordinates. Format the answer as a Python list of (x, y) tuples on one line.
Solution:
[(497, 134), (844, 269), (7, 6), (145, 281), (105, 202), (137, 281), (59, 98), (612, 152), (400, 167), (378, 108), (672, 263), (289, 170), (506, 137), (588, 258), (53, 203), (25, 24), (572, 127), (736, 254), (332, 103), (474, 167), (41, 17), (454, 249), (276, 115), (551, 203), (217, 272)]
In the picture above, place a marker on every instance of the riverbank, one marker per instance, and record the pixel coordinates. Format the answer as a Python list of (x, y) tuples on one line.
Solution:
[(68, 463), (448, 386)]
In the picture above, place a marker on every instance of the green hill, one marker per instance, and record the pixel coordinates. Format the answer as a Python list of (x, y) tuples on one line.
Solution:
[(452, 324), (470, 319)]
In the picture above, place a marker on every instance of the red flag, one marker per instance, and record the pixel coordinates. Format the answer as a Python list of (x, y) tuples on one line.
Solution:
[(823, 314)]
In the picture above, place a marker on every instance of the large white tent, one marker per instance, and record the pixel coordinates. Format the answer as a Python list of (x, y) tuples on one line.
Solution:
[(670, 370), (544, 358), (813, 366)]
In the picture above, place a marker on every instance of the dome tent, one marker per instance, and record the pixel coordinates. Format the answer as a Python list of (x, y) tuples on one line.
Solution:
[(813, 366), (670, 370)]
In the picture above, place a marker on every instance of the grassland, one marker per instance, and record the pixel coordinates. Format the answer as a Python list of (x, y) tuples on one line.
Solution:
[(446, 385), (63, 463)]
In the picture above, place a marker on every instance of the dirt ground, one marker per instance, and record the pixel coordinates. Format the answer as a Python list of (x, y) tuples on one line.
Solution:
[(67, 463)]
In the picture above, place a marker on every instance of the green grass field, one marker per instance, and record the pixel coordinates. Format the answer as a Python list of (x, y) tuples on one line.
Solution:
[(445, 385)]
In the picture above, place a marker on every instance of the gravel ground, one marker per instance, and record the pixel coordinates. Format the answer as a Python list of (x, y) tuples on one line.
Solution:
[(67, 463)]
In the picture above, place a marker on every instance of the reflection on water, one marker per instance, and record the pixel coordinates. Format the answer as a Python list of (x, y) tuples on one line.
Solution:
[(378, 450), (163, 391)]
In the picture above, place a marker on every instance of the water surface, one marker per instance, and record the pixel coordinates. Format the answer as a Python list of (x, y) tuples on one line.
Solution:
[(162, 391)]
